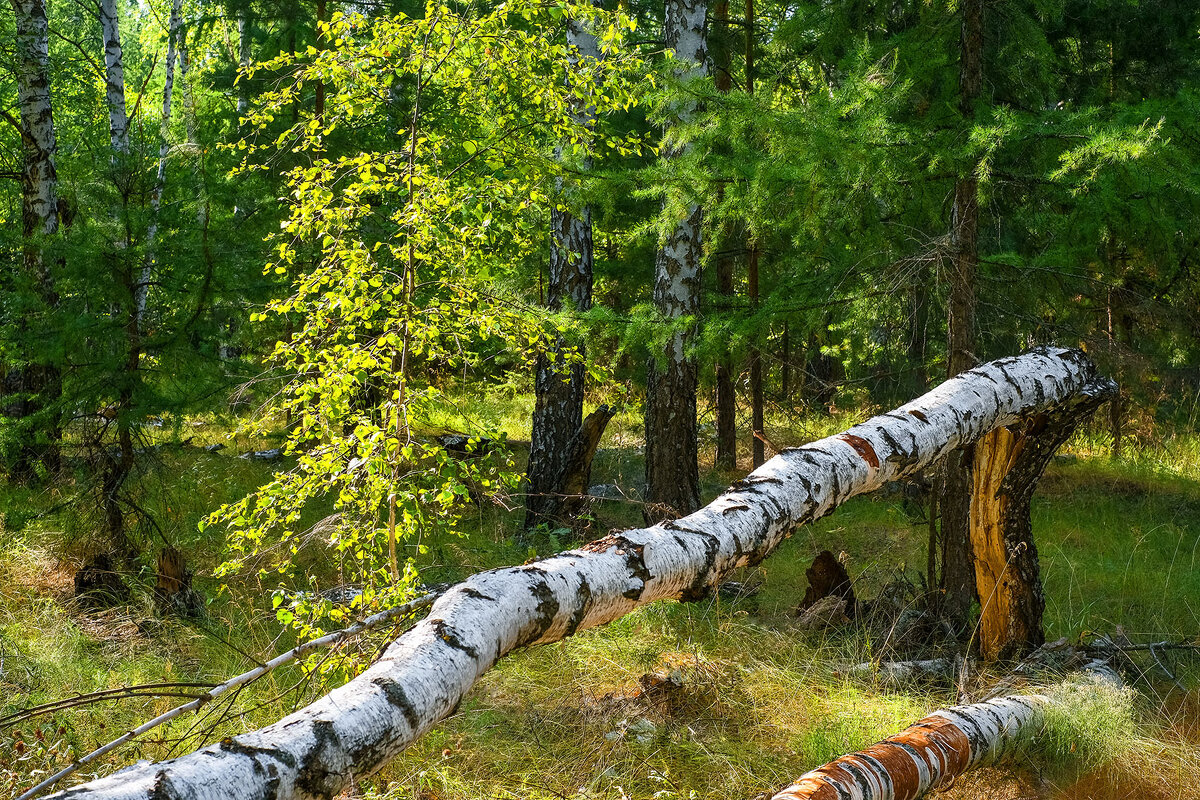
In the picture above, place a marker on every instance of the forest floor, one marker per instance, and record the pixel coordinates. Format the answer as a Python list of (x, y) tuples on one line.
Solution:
[(716, 699)]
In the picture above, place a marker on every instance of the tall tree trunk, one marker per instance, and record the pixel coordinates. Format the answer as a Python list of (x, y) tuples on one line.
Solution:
[(117, 469), (726, 400), (559, 383), (141, 291), (672, 472), (958, 574), (758, 448), (34, 383)]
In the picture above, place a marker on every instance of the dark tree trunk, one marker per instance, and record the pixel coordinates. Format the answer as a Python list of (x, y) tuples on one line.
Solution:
[(672, 474), (756, 383), (559, 382), (559, 385), (726, 400), (958, 575)]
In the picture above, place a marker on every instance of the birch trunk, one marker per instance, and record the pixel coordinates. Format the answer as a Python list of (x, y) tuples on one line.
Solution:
[(30, 382), (672, 473), (559, 385), (114, 78), (354, 730), (932, 752), (142, 290)]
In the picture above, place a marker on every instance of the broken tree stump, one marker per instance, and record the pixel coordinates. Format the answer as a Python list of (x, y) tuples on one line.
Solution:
[(1006, 465)]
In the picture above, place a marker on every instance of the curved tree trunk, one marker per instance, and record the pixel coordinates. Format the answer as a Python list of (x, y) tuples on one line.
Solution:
[(672, 472), (422, 677), (932, 752)]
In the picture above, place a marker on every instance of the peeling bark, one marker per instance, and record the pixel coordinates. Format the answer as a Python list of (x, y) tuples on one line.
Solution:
[(672, 472), (931, 753), (355, 729)]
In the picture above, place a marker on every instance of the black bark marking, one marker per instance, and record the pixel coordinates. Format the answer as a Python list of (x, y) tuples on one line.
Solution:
[(162, 787), (583, 602), (700, 588), (672, 525), (450, 636), (544, 613), (475, 594), (398, 698), (635, 562), (919, 415), (230, 745), (314, 778), (858, 774), (731, 509)]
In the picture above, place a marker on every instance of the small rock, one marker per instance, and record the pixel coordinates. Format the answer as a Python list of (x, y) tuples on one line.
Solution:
[(274, 454), (214, 448)]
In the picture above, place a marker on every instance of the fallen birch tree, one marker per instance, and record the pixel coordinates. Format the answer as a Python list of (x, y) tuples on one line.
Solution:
[(355, 729), (934, 751)]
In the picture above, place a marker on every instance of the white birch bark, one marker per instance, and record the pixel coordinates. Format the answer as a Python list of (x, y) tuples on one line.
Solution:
[(672, 475), (39, 178), (357, 728), (114, 78), (142, 289), (559, 386), (932, 752)]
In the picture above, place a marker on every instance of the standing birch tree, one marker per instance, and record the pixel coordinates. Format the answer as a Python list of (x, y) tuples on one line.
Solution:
[(672, 471)]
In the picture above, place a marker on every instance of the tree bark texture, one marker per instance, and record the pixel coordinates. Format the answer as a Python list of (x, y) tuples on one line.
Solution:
[(726, 398), (354, 730), (931, 753), (1007, 465), (672, 472), (114, 78), (958, 578), (558, 383), (31, 384)]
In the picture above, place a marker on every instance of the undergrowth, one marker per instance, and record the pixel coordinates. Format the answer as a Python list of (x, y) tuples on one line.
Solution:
[(752, 700)]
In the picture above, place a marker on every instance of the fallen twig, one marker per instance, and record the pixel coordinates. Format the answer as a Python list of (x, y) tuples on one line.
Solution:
[(373, 621)]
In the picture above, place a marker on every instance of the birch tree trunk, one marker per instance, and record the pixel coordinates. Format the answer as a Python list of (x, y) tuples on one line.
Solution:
[(559, 385), (114, 78), (33, 383), (357, 728), (672, 472), (142, 289), (932, 752)]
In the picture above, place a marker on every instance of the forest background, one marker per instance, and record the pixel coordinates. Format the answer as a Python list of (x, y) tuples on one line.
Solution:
[(328, 236)]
